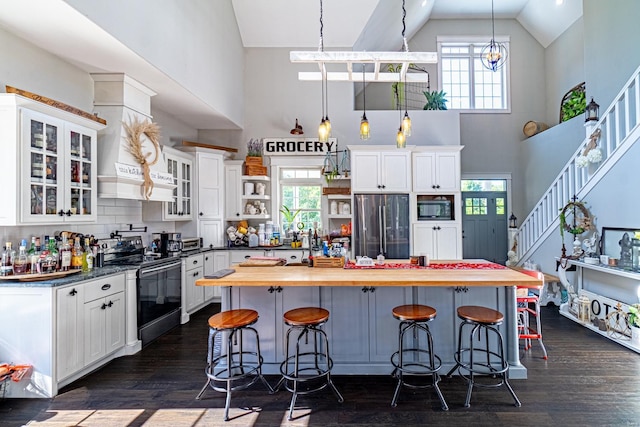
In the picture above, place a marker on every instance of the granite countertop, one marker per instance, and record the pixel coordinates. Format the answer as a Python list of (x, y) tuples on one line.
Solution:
[(258, 248), (67, 280)]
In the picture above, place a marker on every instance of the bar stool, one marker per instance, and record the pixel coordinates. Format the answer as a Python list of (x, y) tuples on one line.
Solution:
[(236, 369), (308, 366), (414, 318), (525, 298), (482, 359)]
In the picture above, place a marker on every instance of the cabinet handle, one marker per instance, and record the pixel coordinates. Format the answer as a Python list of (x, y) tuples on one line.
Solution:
[(365, 289), (433, 186), (438, 186), (73, 292), (106, 286), (104, 306), (60, 212), (279, 289), (271, 289), (195, 261), (206, 258), (195, 273), (439, 228), (68, 213), (110, 304), (247, 256), (293, 257), (372, 289)]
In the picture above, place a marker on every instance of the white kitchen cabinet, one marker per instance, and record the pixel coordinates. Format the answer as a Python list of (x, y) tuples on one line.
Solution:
[(211, 232), (438, 239), (361, 327), (380, 171), (210, 185), (233, 185), (192, 270), (437, 171), (271, 303), (48, 164), (104, 318), (214, 261), (69, 330), (180, 208)]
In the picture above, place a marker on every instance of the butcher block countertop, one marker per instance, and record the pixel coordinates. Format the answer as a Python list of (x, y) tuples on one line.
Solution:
[(305, 276)]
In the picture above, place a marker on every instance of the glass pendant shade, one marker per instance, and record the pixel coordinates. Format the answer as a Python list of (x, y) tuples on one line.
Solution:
[(323, 133), (327, 124), (364, 127), (401, 140), (406, 125)]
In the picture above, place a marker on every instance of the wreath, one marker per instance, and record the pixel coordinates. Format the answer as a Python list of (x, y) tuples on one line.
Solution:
[(581, 219), (135, 130)]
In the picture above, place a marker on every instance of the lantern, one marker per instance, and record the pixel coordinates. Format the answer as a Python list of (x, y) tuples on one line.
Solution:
[(592, 111), (512, 221), (584, 309)]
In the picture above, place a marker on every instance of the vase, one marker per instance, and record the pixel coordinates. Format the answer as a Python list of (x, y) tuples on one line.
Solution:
[(635, 336)]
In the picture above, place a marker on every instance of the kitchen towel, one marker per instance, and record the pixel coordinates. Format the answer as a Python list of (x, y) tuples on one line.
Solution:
[(220, 273)]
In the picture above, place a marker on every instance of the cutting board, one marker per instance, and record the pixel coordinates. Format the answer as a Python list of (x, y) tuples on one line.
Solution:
[(263, 261)]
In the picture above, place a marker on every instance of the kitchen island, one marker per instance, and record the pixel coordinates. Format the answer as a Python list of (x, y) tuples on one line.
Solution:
[(361, 328)]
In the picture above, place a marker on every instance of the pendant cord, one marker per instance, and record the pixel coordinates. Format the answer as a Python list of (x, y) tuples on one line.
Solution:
[(493, 30), (364, 94)]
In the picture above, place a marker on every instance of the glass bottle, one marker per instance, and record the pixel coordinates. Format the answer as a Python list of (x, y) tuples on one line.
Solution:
[(76, 255), (34, 255), (85, 256), (100, 257), (6, 264), (21, 262), (65, 255), (50, 260)]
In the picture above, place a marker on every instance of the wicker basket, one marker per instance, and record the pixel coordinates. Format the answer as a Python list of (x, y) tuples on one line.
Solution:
[(336, 190), (326, 262)]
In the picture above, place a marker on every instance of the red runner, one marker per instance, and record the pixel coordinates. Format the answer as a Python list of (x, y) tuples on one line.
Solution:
[(432, 266)]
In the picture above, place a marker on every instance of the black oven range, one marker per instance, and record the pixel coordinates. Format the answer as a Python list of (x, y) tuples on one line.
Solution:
[(158, 283)]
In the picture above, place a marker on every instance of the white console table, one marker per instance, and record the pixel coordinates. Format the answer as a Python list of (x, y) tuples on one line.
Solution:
[(608, 285)]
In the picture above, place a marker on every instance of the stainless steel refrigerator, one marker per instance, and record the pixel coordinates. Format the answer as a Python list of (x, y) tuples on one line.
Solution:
[(381, 225)]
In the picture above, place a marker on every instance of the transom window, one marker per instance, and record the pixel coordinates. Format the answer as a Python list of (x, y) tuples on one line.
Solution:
[(301, 189), (467, 84)]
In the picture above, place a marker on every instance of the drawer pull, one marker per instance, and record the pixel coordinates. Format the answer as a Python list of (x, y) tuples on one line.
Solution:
[(73, 292), (195, 261), (106, 286)]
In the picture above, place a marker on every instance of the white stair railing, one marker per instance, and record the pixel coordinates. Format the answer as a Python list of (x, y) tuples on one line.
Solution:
[(619, 129)]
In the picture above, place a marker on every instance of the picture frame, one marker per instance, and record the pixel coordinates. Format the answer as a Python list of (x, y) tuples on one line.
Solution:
[(610, 240)]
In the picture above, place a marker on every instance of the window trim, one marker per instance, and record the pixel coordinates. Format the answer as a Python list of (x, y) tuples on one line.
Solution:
[(506, 40)]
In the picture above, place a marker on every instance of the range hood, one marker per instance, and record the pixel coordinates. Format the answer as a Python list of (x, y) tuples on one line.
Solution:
[(120, 99)]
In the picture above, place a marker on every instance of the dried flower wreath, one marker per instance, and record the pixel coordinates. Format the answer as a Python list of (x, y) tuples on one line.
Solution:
[(135, 130)]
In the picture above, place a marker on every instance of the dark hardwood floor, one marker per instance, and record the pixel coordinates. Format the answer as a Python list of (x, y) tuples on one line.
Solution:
[(587, 381)]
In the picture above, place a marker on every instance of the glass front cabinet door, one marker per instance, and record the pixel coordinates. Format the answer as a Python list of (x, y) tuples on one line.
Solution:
[(180, 166), (59, 170)]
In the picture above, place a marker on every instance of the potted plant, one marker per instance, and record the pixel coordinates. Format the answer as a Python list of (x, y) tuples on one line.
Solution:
[(289, 216), (633, 319), (435, 100), (254, 152)]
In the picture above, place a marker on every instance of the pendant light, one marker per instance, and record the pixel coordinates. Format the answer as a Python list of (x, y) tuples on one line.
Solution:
[(364, 123), (406, 121), (493, 55), (401, 138), (324, 129)]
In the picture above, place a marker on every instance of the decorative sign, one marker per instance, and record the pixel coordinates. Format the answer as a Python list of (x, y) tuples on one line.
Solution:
[(601, 306), (298, 146), (135, 172)]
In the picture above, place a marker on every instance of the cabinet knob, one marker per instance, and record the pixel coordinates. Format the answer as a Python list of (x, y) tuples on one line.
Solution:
[(237, 213), (365, 289), (68, 213), (200, 214), (195, 261), (195, 273), (104, 307), (61, 212), (433, 186), (372, 289), (279, 289), (439, 228), (110, 304), (438, 186), (73, 292), (206, 258), (271, 289)]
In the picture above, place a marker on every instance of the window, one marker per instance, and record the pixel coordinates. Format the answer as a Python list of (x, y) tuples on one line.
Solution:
[(467, 84), (484, 185), (301, 189)]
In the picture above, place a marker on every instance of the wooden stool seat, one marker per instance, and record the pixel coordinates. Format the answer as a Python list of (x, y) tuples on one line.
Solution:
[(233, 319), (483, 315), (414, 312), (306, 316)]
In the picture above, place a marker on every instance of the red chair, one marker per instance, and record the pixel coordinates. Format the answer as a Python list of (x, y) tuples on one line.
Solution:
[(529, 306)]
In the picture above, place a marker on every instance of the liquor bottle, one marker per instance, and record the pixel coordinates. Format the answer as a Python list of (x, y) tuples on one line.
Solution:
[(6, 264), (21, 261), (100, 257), (89, 256), (34, 255), (51, 257), (85, 263), (65, 255), (76, 255)]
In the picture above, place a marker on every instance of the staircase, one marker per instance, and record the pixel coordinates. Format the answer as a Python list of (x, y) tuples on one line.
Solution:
[(619, 129)]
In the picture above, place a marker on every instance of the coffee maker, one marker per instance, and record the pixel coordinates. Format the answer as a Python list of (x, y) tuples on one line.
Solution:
[(170, 244)]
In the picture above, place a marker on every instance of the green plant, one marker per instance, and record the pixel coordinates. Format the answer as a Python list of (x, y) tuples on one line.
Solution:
[(397, 88), (331, 175), (289, 215), (435, 100), (633, 315), (574, 106)]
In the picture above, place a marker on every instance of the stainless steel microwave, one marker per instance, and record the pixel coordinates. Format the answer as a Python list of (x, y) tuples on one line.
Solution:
[(431, 209)]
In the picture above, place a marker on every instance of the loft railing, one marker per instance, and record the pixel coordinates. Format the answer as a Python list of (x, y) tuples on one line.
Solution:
[(619, 128)]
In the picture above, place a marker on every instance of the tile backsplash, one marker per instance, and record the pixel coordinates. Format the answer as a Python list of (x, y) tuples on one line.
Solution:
[(113, 214)]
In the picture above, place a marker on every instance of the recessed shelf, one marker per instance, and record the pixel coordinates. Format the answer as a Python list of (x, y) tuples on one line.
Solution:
[(256, 178), (339, 196), (257, 197)]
